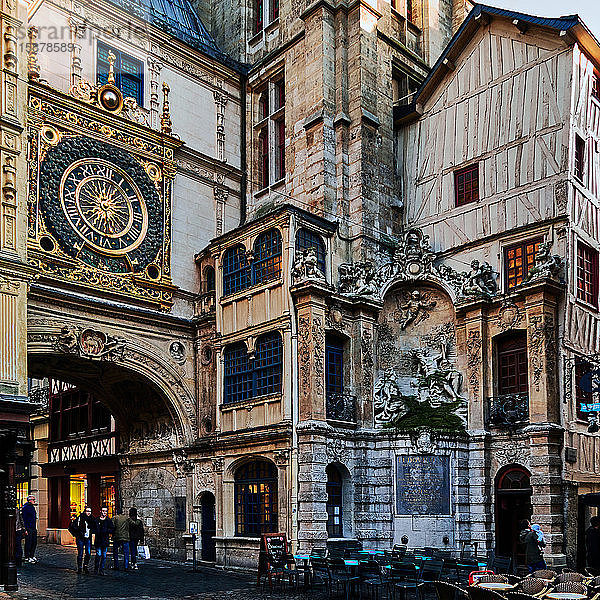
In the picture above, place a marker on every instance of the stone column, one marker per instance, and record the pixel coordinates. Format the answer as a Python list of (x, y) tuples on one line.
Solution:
[(475, 513), (545, 432), (217, 465)]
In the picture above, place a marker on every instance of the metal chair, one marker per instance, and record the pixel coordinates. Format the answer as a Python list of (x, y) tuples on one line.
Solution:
[(501, 564), (431, 570), (340, 576), (369, 573), (450, 570), (320, 573), (403, 576)]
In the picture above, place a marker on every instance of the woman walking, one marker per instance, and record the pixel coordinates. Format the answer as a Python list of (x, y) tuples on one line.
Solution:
[(82, 528), (104, 527), (136, 535)]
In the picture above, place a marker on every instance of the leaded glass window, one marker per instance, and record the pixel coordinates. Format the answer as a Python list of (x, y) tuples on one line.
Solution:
[(256, 499), (129, 72), (267, 257), (236, 272)]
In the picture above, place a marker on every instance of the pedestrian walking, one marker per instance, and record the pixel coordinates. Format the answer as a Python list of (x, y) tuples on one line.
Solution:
[(82, 529), (20, 534), (136, 535), (592, 544), (121, 539), (533, 553), (29, 515), (104, 528)]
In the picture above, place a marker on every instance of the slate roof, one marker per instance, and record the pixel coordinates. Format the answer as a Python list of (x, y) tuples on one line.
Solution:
[(179, 19)]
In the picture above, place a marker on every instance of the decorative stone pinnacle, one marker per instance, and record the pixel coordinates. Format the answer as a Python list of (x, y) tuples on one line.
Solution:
[(165, 119), (33, 67), (111, 67)]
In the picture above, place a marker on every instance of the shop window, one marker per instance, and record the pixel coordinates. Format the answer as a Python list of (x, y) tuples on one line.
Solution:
[(266, 265), (519, 259), (334, 502), (307, 239), (129, 72), (256, 499), (579, 166), (77, 496), (270, 133), (22, 492), (587, 274), (108, 487), (247, 378), (512, 364), (236, 271)]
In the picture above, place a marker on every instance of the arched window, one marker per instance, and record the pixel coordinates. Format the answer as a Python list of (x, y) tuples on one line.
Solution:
[(268, 363), (238, 373), (267, 257), (249, 378), (209, 279), (334, 502), (307, 239), (236, 273), (514, 478), (256, 499)]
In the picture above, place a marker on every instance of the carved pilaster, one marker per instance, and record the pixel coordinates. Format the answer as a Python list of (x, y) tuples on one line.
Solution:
[(33, 67), (221, 195), (220, 102), (155, 68), (77, 32)]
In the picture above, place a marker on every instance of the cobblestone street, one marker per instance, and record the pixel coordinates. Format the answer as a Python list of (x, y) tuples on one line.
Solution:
[(54, 578)]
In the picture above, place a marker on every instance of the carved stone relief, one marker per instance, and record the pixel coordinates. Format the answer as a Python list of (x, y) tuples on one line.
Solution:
[(183, 465), (547, 266), (416, 379), (542, 348), (509, 315), (512, 454), (306, 267), (413, 260), (474, 362)]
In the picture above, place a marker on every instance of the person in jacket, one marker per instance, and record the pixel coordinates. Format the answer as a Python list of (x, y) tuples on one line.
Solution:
[(104, 528), (136, 535), (121, 539), (592, 544), (82, 529), (20, 534), (29, 515), (533, 553)]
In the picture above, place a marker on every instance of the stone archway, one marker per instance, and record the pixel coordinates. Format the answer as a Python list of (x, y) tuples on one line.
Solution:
[(116, 367)]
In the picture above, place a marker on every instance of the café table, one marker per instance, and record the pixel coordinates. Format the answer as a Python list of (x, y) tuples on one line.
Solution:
[(498, 586), (565, 596)]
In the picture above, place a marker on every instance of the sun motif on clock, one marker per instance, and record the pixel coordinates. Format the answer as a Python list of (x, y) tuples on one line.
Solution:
[(104, 206), (101, 206)]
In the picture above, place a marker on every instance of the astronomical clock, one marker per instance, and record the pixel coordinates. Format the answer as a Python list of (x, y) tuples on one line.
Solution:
[(99, 200)]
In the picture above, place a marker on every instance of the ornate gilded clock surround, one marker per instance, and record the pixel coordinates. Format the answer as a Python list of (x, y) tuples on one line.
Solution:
[(137, 267)]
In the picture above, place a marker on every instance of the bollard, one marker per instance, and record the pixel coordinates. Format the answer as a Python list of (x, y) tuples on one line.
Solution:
[(193, 551)]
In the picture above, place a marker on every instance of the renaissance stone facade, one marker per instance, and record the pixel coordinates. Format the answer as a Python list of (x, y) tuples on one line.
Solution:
[(321, 287)]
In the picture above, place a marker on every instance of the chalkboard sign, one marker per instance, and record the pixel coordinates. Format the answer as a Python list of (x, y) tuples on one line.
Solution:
[(423, 485), (274, 545)]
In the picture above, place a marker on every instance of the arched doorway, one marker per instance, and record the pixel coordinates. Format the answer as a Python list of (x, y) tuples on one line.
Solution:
[(513, 503), (335, 502), (208, 527)]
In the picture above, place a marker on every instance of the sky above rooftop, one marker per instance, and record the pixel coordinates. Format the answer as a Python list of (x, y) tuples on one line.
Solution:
[(588, 10)]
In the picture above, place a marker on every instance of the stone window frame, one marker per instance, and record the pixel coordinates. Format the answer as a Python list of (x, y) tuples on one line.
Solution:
[(263, 485), (518, 339), (120, 55), (529, 249), (266, 12), (269, 132), (251, 375)]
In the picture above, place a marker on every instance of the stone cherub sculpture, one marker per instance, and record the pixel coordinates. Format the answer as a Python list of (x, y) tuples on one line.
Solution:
[(389, 404), (479, 281), (415, 309), (547, 266)]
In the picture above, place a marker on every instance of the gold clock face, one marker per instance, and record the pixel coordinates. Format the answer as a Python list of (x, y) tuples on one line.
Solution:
[(104, 206)]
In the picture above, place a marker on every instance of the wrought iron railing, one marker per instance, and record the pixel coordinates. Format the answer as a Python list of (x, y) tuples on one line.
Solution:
[(341, 407), (508, 411), (41, 396)]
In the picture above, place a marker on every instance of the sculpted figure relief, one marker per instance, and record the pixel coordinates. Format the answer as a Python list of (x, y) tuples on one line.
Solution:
[(388, 399), (480, 280), (306, 266), (415, 309), (547, 266)]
